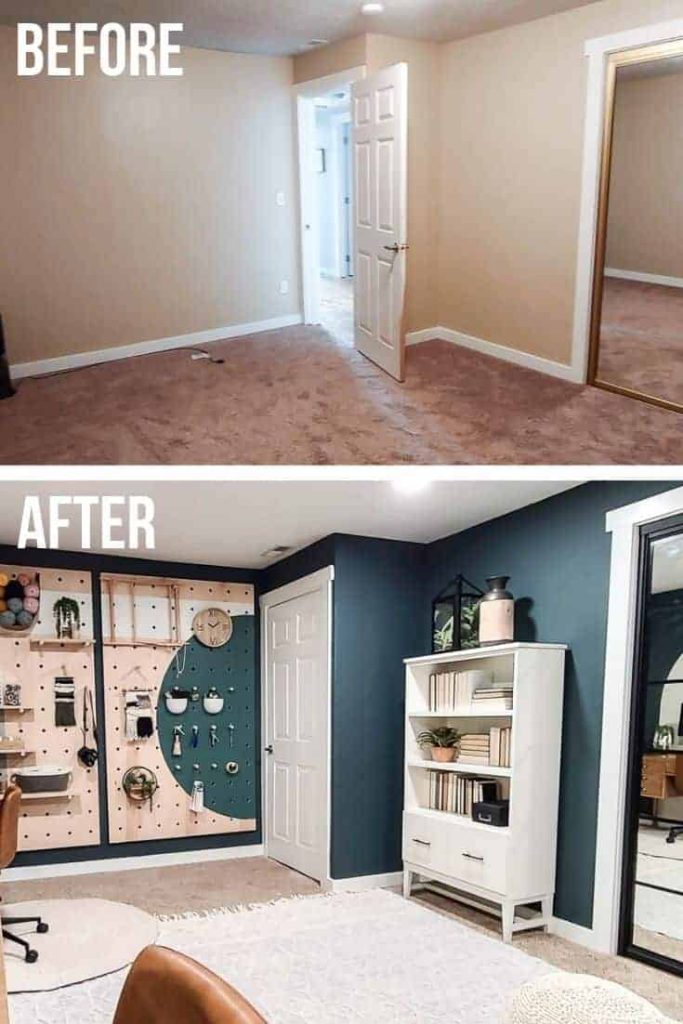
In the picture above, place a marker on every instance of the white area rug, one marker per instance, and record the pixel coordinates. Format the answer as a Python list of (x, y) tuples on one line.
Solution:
[(87, 938), (348, 958)]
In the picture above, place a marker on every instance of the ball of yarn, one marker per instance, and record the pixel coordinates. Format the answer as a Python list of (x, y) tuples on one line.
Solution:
[(15, 604), (7, 620), (23, 579), (14, 589), (31, 605), (24, 619), (4, 579), (32, 590)]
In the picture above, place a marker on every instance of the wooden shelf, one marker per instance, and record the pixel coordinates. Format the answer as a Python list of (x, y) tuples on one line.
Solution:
[(462, 768), (19, 709), (460, 819), (461, 713), (54, 643), (64, 794), (19, 752), (144, 643)]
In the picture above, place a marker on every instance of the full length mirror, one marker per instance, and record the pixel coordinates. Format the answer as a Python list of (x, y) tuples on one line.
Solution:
[(638, 308)]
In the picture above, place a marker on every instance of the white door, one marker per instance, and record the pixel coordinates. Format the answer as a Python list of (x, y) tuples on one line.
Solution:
[(296, 724), (379, 120)]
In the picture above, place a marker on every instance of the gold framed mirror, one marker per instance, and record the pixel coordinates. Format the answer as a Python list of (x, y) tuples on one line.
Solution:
[(636, 335)]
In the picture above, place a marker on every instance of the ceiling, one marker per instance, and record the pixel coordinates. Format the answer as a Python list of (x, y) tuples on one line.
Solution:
[(287, 26), (232, 524)]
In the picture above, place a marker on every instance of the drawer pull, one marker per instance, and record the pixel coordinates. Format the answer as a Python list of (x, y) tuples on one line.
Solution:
[(421, 842), (471, 856), (486, 819)]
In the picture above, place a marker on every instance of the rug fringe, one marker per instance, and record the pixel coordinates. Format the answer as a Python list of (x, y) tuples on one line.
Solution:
[(237, 908)]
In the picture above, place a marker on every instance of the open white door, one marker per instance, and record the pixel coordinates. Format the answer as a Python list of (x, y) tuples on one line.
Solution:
[(296, 680), (380, 130)]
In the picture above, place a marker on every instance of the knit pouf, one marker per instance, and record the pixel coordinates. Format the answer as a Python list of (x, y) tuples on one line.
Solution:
[(580, 999)]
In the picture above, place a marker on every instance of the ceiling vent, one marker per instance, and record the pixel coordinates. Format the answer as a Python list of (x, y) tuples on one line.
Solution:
[(279, 549)]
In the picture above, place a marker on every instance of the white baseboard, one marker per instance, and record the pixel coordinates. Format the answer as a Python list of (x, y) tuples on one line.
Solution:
[(490, 348), (153, 860), (635, 275), (143, 348), (363, 882), (575, 933)]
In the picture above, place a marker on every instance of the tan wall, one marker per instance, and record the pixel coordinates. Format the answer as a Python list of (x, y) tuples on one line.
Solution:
[(137, 209), (377, 51), (512, 119), (645, 226), (327, 60)]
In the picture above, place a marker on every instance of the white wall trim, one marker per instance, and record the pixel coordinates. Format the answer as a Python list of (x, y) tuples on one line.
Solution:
[(573, 933), (623, 523), (143, 348), (636, 275), (361, 882), (597, 52), (322, 581), (490, 348), (109, 864)]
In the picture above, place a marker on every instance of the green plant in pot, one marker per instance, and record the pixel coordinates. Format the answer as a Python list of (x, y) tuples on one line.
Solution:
[(443, 742), (67, 615)]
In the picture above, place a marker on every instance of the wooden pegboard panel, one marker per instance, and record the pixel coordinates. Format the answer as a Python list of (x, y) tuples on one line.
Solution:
[(33, 662), (143, 666)]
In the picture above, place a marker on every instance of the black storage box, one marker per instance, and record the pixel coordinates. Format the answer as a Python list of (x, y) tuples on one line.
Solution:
[(492, 812)]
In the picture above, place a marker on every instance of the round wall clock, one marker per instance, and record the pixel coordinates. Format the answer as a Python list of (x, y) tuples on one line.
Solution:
[(212, 627)]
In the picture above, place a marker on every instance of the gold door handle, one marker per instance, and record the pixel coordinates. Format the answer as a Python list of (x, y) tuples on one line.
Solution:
[(396, 247)]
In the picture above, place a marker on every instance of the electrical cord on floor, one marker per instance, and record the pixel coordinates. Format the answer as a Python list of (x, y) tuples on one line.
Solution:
[(198, 353)]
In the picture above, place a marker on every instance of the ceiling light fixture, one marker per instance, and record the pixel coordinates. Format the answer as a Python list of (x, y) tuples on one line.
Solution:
[(372, 8)]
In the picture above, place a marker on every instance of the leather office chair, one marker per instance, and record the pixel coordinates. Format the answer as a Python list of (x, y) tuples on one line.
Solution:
[(165, 986), (9, 830)]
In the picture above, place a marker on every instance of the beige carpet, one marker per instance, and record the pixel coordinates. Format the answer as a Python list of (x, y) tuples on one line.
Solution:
[(296, 396), (88, 938)]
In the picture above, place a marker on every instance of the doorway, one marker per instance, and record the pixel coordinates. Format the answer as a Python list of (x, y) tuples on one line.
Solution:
[(296, 679), (636, 336), (335, 212), (651, 927)]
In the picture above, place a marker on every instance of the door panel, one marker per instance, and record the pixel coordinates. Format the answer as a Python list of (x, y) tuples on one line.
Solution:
[(296, 727), (379, 139)]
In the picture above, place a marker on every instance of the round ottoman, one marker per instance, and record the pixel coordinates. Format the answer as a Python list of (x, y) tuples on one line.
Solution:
[(561, 998)]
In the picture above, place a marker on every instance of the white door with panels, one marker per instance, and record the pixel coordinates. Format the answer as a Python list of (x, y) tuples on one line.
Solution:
[(379, 134), (296, 678)]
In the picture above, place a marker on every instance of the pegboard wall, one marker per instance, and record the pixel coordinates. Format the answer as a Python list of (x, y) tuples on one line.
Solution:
[(33, 662), (148, 648)]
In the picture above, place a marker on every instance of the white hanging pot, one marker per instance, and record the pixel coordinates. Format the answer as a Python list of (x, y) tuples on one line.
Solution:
[(176, 705), (213, 705)]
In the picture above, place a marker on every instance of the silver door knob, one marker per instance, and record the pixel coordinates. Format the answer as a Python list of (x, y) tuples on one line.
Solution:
[(269, 748), (396, 247)]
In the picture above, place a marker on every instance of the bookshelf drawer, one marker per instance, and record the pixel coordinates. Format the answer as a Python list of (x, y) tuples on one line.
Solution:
[(426, 842), (480, 858)]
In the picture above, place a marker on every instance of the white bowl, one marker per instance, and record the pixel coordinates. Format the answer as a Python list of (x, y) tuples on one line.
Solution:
[(213, 705), (176, 705)]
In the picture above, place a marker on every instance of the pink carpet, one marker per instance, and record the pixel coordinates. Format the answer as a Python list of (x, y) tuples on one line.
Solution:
[(641, 339), (295, 396)]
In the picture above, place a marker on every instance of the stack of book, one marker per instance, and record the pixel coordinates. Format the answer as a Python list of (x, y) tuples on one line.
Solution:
[(500, 746), (475, 748), (493, 698), (449, 691), (457, 793)]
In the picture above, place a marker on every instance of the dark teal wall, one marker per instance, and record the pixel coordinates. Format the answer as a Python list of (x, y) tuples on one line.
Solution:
[(557, 554)]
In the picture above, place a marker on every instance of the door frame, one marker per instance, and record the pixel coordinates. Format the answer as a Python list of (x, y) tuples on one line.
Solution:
[(624, 524), (599, 53), (321, 582), (304, 96)]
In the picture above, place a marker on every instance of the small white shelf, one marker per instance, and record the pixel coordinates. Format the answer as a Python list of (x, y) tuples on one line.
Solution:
[(18, 709), (63, 794), (461, 819), (53, 642), (462, 767), (461, 713), (17, 752)]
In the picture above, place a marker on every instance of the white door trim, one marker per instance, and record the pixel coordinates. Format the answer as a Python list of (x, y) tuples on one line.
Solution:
[(597, 51), (322, 581), (304, 96), (623, 523)]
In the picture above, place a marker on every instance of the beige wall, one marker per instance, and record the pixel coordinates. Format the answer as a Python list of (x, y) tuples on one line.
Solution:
[(645, 226), (512, 118), (327, 60), (137, 209)]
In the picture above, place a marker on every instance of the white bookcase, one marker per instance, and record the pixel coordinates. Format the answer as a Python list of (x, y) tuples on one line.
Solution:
[(507, 871)]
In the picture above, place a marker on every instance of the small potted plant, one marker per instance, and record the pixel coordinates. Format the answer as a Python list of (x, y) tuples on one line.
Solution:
[(67, 615), (443, 742)]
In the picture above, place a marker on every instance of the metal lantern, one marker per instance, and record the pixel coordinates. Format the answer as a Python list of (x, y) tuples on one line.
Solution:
[(454, 616)]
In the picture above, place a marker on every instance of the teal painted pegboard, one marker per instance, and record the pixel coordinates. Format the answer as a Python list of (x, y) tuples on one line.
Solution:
[(230, 669)]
